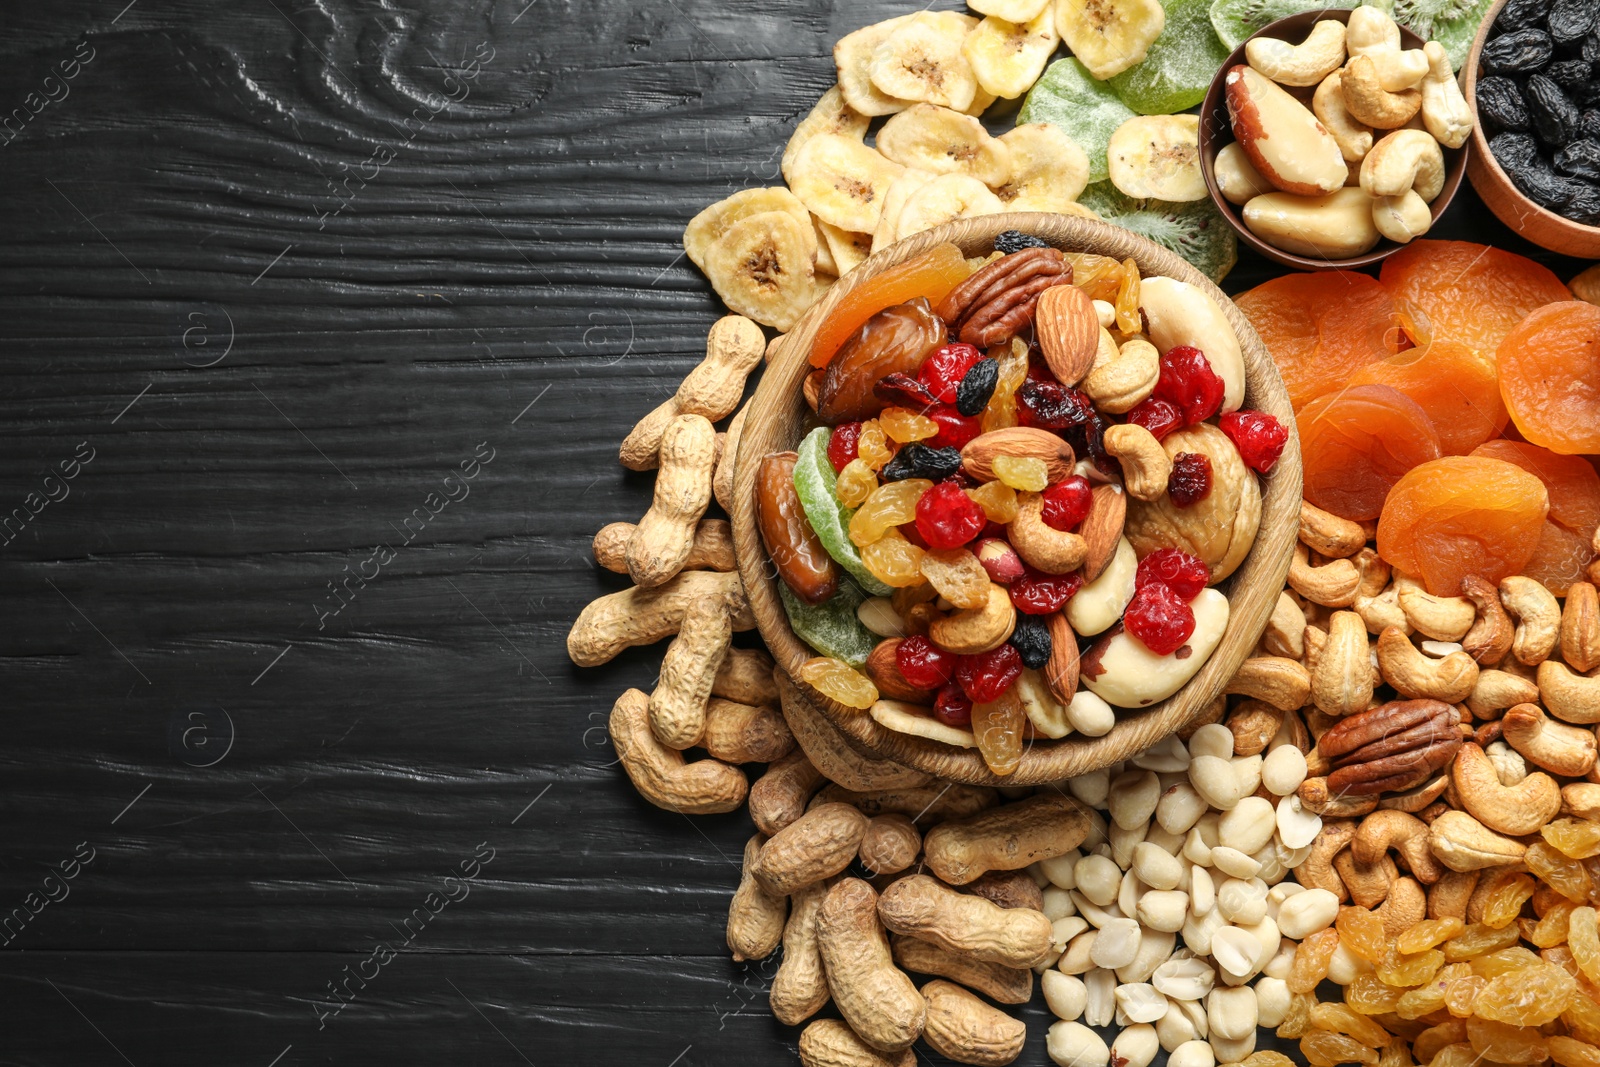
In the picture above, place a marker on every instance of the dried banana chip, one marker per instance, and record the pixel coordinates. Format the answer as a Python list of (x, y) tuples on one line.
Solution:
[(1158, 156), (1011, 10), (1048, 169), (942, 141), (922, 61), (762, 269), (1008, 57), (846, 250), (1109, 36), (831, 115), (852, 60), (825, 263), (893, 201), (945, 198), (980, 102), (707, 228), (842, 181)]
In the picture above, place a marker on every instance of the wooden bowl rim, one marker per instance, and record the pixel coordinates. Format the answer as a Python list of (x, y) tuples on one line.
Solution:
[(1263, 570), (1214, 121)]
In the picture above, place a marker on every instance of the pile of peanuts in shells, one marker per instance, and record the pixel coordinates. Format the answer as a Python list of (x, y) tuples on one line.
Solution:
[(1397, 793)]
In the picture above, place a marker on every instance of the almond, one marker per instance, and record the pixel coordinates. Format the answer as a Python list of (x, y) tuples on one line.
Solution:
[(884, 670), (1061, 669), (1068, 329), (1020, 442), (1101, 529)]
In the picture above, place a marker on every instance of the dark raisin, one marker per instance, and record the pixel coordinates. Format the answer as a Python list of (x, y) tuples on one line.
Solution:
[(1090, 440), (1015, 241), (1500, 104), (1053, 406), (1589, 95), (1571, 20), (917, 460), (1031, 639), (973, 394), (1521, 15), (1518, 53), (1591, 48), (1571, 74), (1551, 112), (1589, 126), (1580, 159), (904, 391), (1544, 186), (1513, 149)]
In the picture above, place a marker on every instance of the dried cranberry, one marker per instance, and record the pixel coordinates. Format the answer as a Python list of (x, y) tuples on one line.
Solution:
[(910, 532), (995, 529), (902, 390), (1039, 370), (1188, 381), (1066, 503), (924, 664), (1190, 481), (952, 707), (1179, 571), (1052, 406), (942, 372), (947, 517), (1038, 593), (985, 676), (843, 444), (1259, 437), (955, 429), (1160, 618), (1158, 416)]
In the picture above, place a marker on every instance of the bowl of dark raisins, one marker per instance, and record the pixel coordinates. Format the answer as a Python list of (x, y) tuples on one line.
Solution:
[(1533, 83)]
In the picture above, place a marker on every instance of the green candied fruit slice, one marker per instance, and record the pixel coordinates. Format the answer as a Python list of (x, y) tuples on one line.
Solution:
[(1085, 109), (1175, 74), (1196, 230), (831, 627), (814, 482), (1453, 23), (1236, 20)]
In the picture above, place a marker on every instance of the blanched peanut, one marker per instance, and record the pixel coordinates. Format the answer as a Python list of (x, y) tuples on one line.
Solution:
[(1071, 1044)]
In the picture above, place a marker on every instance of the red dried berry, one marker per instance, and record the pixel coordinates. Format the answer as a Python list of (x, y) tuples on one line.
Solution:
[(1067, 502), (902, 390), (1259, 437), (947, 517), (924, 664), (1038, 369), (910, 532), (1184, 574), (942, 372), (1190, 481), (1052, 406), (952, 707), (985, 676), (1038, 593), (1188, 381), (1158, 416), (955, 429), (1159, 617), (844, 444)]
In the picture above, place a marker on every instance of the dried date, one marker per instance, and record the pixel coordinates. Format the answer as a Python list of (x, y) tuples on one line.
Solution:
[(802, 562), (1500, 103), (1518, 53), (1551, 112)]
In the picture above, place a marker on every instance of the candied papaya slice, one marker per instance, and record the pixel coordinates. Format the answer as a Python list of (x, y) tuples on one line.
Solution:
[(1566, 544), (1357, 443), (1320, 328), (931, 275), (1462, 515), (1472, 293), (1456, 387), (1550, 377)]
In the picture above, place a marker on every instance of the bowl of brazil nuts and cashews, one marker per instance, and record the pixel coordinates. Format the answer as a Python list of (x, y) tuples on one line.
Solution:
[(1042, 533)]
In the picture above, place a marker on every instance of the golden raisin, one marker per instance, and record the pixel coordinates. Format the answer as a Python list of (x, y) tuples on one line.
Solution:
[(1399, 969), (1505, 902), (1561, 956), (1477, 939), (1583, 1018), (856, 483), (1460, 993), (1297, 1018), (1127, 303), (1552, 928), (1428, 933), (1578, 838), (1498, 962), (1504, 1043), (872, 447), (998, 501), (1324, 1049), (1395, 1054), (1028, 473), (1455, 1055), (1530, 996), (1370, 996), (904, 425), (1310, 964), (1565, 875), (893, 560), (890, 505), (838, 680), (1583, 938), (1428, 1044), (1362, 933), (1341, 1018), (998, 725), (1570, 1052)]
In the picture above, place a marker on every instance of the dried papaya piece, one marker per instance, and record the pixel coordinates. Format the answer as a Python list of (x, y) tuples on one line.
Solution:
[(1472, 293), (1457, 387), (1357, 443), (1320, 328), (1550, 377)]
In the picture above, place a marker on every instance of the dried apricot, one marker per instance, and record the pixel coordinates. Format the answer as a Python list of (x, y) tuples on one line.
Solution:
[(1357, 443), (1472, 293), (930, 276), (1550, 377), (1320, 328), (1566, 544), (1461, 515), (1456, 386)]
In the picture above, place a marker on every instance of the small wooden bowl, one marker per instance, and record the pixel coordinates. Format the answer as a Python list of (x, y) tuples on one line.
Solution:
[(778, 418), (1538, 224), (1216, 132)]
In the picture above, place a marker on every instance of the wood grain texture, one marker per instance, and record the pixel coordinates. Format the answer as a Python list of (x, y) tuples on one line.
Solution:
[(271, 387)]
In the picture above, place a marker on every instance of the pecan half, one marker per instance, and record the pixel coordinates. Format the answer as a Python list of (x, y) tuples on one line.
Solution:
[(999, 299), (1391, 748)]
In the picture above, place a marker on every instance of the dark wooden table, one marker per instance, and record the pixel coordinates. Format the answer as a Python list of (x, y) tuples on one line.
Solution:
[(323, 321)]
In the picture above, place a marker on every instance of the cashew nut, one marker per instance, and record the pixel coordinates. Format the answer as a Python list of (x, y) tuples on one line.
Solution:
[(1119, 384), (1333, 584), (1513, 810), (1342, 682), (1369, 102), (1405, 834), (1327, 534), (1354, 139), (1538, 618), (1557, 747), (1568, 695), (1415, 675), (1275, 680), (1489, 639), (1495, 691), (1041, 545), (1317, 871), (1375, 573), (1370, 32), (1404, 161), (1441, 618), (1462, 843), (1285, 634), (1400, 218), (1237, 177), (1581, 799), (1145, 464), (1382, 611), (1305, 63), (1449, 896), (1580, 628), (1444, 109), (1369, 886), (1399, 69), (978, 630), (1405, 906)]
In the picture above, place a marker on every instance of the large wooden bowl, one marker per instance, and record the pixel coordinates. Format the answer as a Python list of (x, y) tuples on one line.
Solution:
[(778, 418)]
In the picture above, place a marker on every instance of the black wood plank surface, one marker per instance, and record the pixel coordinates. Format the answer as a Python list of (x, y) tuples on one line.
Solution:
[(322, 323)]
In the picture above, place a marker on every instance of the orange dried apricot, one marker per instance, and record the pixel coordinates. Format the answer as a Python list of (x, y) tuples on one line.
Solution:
[(1456, 387), (931, 275), (1550, 377), (1320, 328), (1462, 515), (1471, 293), (1566, 544), (1357, 443)]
